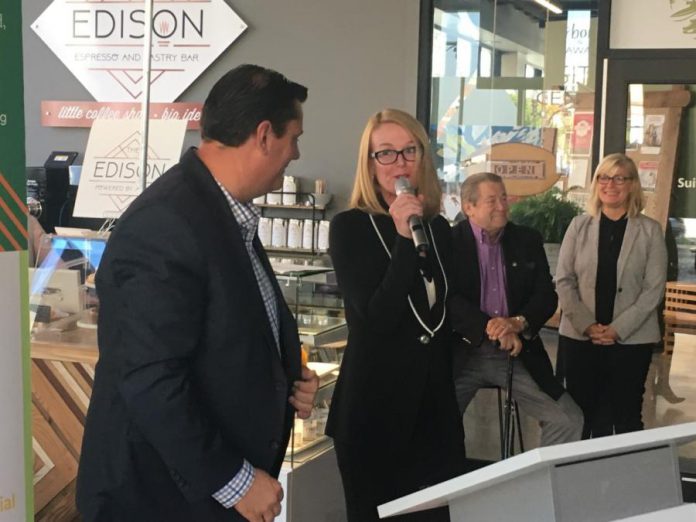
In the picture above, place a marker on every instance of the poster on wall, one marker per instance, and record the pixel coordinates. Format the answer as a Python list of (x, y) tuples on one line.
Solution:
[(111, 175), (647, 172), (15, 448), (652, 24), (652, 134), (581, 139)]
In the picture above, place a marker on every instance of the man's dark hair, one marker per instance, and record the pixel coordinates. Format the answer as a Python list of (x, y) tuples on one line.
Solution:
[(246, 96)]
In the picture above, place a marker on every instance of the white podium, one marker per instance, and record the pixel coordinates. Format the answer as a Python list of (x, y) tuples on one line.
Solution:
[(591, 480)]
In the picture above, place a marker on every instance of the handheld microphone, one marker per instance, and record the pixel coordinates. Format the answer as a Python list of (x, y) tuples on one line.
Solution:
[(415, 223)]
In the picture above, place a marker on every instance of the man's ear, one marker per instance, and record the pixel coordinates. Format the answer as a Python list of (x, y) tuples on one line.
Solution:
[(263, 131), (466, 208)]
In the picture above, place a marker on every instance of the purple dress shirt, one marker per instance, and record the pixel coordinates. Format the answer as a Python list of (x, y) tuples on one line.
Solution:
[(492, 272)]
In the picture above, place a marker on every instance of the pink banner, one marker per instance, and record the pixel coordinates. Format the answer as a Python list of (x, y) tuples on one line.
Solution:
[(83, 113)]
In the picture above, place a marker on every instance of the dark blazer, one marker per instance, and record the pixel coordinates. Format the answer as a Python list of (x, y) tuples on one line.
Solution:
[(530, 293), (189, 380), (385, 367)]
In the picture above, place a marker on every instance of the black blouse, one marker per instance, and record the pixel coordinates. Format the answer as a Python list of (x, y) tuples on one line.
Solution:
[(611, 234)]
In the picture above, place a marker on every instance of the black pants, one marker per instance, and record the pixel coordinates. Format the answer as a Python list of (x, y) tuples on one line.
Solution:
[(382, 469), (608, 383), (370, 480)]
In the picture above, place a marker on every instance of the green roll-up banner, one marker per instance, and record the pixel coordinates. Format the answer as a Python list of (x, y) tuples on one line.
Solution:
[(16, 501)]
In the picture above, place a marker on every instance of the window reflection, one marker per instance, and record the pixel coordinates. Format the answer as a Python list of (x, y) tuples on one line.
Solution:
[(503, 72)]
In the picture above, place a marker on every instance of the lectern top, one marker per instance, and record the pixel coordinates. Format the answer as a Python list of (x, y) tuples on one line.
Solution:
[(530, 461)]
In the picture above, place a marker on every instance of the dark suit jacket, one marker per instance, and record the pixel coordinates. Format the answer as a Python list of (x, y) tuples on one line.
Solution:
[(189, 380), (530, 293), (386, 370)]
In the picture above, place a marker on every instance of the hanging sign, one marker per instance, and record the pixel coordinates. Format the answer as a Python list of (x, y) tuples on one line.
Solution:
[(102, 43), (111, 174)]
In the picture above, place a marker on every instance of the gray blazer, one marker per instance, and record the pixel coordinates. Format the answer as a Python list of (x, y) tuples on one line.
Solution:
[(640, 283)]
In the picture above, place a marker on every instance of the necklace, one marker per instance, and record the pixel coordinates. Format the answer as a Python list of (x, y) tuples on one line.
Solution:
[(424, 339)]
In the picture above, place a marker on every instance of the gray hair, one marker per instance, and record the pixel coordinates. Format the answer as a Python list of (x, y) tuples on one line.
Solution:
[(470, 187)]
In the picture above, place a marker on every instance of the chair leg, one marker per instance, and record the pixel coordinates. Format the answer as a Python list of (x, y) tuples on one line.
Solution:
[(508, 432), (501, 429), (519, 428), (668, 340)]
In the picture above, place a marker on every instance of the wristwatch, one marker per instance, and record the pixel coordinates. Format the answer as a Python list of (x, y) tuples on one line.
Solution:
[(523, 321)]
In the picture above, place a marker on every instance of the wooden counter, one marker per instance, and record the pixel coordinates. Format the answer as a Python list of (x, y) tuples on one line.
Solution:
[(62, 373)]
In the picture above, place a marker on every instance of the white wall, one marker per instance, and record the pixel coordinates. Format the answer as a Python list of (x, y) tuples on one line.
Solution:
[(355, 57)]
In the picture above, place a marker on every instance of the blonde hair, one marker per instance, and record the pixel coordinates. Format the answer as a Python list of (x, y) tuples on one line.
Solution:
[(608, 166), (365, 194)]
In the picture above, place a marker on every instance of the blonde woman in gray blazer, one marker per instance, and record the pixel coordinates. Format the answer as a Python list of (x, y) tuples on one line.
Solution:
[(610, 281)]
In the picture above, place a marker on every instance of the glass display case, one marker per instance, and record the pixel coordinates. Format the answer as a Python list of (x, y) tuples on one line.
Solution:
[(309, 287), (312, 294), (62, 295)]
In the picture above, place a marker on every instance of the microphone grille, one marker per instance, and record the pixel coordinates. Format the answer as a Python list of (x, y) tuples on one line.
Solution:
[(402, 186)]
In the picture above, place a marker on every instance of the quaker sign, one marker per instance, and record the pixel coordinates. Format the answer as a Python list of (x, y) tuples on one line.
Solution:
[(102, 43), (111, 175)]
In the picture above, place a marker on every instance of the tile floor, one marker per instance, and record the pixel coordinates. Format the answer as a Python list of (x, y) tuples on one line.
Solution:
[(675, 373)]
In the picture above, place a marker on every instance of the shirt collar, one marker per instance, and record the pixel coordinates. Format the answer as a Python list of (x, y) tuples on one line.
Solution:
[(246, 214), (482, 237)]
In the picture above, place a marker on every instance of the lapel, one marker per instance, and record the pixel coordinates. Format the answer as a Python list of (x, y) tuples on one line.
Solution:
[(418, 295), (629, 239), (435, 313), (202, 182), (511, 260), (592, 252)]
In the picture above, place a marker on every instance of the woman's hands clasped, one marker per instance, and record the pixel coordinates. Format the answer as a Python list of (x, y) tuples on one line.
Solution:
[(601, 334)]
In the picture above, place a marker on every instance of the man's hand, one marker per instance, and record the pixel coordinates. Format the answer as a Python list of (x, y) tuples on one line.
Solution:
[(303, 393), (262, 502), (500, 326), (511, 343)]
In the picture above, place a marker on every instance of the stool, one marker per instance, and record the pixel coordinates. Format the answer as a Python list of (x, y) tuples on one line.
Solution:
[(514, 423)]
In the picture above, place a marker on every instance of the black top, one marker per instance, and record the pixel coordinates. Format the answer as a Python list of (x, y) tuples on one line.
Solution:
[(387, 370), (611, 234)]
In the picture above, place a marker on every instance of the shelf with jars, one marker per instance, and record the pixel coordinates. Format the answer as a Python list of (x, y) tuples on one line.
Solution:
[(293, 221)]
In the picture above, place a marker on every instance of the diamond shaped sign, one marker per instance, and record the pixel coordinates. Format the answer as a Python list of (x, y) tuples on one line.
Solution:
[(102, 43)]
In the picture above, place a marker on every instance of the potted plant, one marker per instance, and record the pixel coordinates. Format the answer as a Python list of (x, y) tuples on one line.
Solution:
[(550, 213)]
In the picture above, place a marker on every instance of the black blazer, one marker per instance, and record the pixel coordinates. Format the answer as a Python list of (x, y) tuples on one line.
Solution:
[(385, 367), (530, 293), (189, 380)]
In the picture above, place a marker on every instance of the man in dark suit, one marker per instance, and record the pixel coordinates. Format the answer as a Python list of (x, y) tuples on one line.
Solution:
[(502, 295), (199, 372)]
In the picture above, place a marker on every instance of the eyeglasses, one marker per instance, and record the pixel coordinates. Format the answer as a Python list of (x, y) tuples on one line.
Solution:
[(389, 156), (603, 179)]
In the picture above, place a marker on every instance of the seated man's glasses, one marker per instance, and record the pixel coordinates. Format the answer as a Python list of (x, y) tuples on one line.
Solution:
[(603, 179), (389, 156)]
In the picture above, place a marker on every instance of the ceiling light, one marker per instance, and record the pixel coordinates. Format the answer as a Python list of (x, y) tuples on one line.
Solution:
[(551, 7)]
